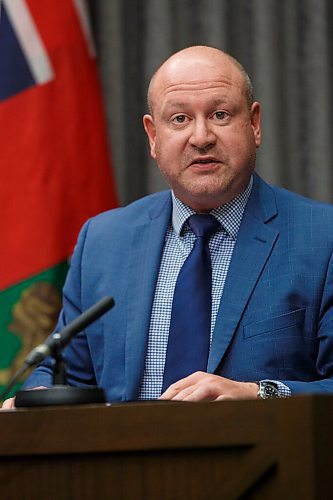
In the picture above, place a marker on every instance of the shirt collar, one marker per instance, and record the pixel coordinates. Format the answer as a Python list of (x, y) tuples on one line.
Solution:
[(229, 215)]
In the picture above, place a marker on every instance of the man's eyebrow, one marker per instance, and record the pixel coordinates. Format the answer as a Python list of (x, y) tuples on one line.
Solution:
[(179, 104), (221, 100), (182, 104)]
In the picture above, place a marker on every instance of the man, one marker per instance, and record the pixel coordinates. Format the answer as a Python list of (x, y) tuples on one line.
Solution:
[(271, 258)]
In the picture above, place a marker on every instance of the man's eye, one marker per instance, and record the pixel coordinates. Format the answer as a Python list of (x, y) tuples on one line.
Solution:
[(180, 118), (220, 115)]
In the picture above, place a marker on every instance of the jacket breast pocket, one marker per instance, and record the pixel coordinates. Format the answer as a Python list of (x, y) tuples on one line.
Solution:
[(282, 325), (279, 348)]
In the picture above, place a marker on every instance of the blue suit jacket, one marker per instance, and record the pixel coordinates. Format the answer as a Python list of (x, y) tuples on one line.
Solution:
[(275, 318)]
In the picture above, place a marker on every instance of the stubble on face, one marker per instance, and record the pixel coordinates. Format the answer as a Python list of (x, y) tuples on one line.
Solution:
[(204, 191)]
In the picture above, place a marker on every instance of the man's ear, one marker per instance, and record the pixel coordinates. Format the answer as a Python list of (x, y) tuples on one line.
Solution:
[(255, 121), (148, 123)]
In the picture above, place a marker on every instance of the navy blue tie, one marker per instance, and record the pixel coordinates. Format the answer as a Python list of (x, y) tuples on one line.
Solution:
[(189, 335)]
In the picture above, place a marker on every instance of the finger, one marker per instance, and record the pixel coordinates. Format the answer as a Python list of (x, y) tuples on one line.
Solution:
[(171, 391), (223, 397), (184, 394), (198, 392), (183, 384), (201, 392), (8, 404)]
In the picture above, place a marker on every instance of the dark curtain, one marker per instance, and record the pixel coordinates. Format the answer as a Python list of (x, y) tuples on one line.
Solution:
[(287, 48)]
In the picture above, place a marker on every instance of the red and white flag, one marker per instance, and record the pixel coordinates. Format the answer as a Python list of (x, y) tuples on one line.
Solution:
[(54, 161)]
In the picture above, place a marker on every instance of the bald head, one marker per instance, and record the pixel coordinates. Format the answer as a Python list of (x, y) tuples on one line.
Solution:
[(180, 66)]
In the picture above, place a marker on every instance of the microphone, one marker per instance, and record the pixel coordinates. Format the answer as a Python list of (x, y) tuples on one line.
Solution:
[(59, 340)]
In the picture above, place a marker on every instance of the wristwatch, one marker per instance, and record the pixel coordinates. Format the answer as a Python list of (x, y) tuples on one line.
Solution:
[(268, 390)]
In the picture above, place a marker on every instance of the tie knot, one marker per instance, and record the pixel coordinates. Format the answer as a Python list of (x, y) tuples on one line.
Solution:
[(203, 225)]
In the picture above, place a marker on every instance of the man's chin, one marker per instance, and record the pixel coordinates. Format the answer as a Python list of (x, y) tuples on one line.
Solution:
[(202, 200), (210, 191)]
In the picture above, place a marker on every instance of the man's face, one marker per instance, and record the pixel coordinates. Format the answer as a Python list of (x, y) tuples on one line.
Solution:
[(202, 133)]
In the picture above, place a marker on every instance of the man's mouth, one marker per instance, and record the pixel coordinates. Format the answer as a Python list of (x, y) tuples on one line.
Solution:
[(204, 161)]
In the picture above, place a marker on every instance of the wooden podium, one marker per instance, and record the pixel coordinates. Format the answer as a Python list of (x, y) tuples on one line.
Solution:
[(277, 449)]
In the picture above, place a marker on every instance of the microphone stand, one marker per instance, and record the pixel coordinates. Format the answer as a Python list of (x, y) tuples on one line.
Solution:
[(59, 370), (60, 393)]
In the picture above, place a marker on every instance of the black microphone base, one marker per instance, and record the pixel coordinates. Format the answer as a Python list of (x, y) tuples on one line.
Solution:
[(60, 395)]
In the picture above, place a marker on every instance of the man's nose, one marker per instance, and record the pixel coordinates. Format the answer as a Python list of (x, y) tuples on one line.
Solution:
[(202, 134)]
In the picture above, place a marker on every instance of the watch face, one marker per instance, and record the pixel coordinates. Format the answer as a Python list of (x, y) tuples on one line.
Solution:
[(268, 390)]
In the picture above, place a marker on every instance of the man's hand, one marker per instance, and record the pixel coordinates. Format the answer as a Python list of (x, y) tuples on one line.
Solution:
[(201, 386), (9, 404)]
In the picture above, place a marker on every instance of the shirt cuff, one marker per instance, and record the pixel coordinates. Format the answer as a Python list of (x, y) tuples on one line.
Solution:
[(283, 389)]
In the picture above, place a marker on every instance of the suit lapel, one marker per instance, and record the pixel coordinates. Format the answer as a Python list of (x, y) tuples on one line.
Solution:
[(146, 251), (255, 242)]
